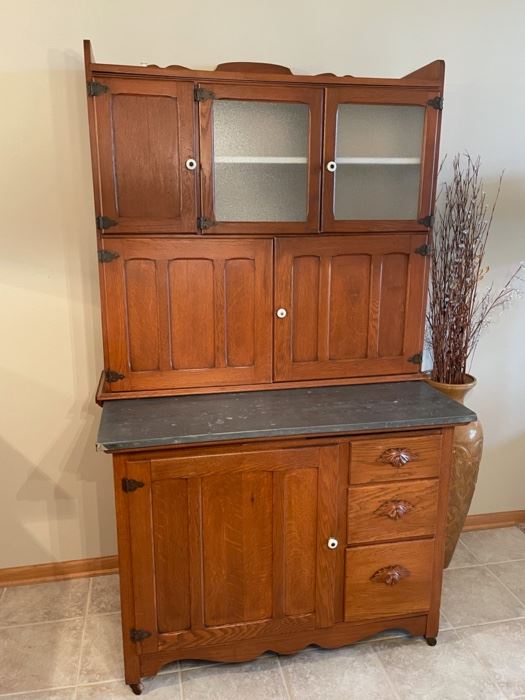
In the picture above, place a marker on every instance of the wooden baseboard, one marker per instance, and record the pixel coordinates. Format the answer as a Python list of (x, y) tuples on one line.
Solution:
[(487, 521), (99, 566), (55, 571)]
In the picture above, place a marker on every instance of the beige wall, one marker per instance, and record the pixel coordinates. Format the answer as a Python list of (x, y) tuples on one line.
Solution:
[(56, 492)]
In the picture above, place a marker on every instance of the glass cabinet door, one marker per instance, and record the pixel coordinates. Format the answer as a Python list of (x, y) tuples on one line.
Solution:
[(380, 159), (260, 158)]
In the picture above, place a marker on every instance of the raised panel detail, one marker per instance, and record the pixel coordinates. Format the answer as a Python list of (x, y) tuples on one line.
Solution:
[(239, 542), (188, 313), (300, 535), (145, 149), (349, 306), (169, 502), (305, 307), (144, 132), (192, 304), (142, 313), (393, 302), (237, 547), (239, 290), (356, 306)]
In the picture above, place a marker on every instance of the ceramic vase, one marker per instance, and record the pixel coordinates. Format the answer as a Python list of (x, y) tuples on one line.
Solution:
[(467, 450)]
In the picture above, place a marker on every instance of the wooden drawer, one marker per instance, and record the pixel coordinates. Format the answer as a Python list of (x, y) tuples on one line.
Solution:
[(392, 511), (396, 457), (384, 580)]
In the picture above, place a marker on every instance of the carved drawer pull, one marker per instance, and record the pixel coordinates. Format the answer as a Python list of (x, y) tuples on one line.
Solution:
[(396, 456), (390, 574), (394, 509)]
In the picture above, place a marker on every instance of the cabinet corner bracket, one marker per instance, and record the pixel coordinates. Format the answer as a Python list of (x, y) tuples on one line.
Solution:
[(105, 256), (95, 89), (112, 376), (204, 223), (104, 222), (423, 250), (436, 102), (139, 635), (427, 221), (416, 359), (201, 94), (130, 485)]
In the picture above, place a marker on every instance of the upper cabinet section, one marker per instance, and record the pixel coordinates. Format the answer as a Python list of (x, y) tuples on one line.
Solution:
[(253, 149), (380, 159), (260, 158), (146, 156)]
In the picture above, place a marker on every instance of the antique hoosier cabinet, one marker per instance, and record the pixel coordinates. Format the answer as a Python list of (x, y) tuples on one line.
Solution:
[(263, 247)]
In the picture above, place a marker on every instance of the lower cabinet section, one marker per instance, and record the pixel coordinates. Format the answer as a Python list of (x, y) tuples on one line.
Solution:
[(226, 552), (388, 580)]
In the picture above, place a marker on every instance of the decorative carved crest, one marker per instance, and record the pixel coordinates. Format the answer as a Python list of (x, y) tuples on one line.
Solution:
[(396, 456), (394, 509), (390, 574)]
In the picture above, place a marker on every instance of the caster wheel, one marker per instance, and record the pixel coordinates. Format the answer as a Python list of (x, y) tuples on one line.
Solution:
[(136, 688), (431, 641)]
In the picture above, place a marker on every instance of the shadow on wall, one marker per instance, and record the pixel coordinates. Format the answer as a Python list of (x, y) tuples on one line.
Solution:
[(58, 503)]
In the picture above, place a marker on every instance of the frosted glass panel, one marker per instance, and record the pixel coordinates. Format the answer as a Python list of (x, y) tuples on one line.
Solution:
[(378, 156), (260, 160)]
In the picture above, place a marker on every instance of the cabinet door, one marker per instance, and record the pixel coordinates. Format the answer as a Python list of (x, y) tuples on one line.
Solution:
[(348, 306), (144, 138), (381, 150), (260, 158), (227, 547), (187, 313)]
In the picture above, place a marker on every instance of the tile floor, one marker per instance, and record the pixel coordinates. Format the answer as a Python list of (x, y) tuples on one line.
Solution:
[(61, 641)]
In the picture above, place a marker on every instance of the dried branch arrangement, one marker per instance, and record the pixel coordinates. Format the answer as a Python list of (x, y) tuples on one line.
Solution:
[(458, 311)]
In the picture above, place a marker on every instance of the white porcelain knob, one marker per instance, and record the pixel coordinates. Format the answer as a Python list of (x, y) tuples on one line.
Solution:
[(191, 164), (281, 313), (331, 166), (332, 543)]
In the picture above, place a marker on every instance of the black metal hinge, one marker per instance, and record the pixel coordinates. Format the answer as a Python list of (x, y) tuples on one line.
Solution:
[(105, 256), (416, 359), (104, 222), (436, 102), (130, 485), (139, 635), (202, 94), (96, 89), (423, 250), (113, 376), (427, 221), (204, 223)]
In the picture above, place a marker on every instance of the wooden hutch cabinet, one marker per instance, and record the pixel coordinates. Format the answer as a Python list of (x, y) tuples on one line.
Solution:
[(267, 234)]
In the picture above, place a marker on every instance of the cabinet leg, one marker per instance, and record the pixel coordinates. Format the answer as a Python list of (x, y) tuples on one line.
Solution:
[(431, 641), (137, 688)]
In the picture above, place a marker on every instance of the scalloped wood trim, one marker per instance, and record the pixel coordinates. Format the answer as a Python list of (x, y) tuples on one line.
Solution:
[(432, 71), (253, 67), (57, 571)]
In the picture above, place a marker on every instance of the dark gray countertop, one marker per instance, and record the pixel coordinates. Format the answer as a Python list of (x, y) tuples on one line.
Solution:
[(175, 420)]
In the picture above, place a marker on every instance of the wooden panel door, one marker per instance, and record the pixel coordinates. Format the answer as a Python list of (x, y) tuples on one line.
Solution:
[(348, 306), (187, 313), (144, 138), (226, 547), (260, 158), (381, 150)]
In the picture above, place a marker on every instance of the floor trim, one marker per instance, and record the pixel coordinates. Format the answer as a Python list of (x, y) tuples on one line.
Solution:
[(99, 566), (486, 521), (55, 571)]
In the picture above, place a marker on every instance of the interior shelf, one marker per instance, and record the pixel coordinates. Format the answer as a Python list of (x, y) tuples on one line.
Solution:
[(269, 160), (298, 160), (365, 160)]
